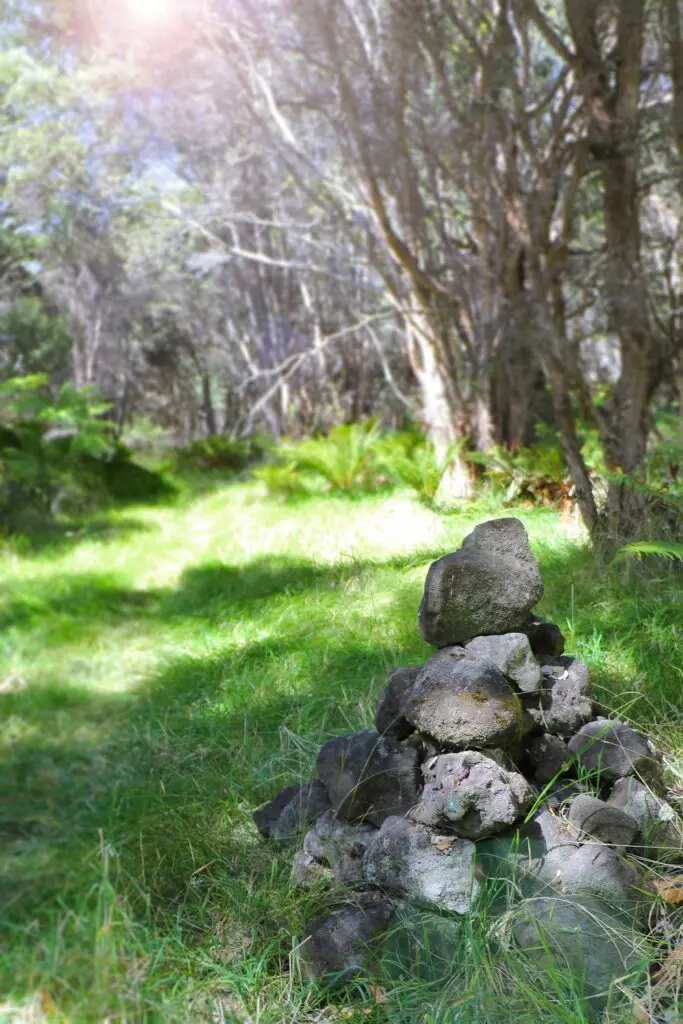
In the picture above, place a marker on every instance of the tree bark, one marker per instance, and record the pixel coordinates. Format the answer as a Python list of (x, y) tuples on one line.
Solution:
[(441, 405)]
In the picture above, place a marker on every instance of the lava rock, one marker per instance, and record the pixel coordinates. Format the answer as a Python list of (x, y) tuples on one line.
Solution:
[(339, 846), (302, 810), (341, 943), (488, 586), (418, 863), (660, 826), (471, 795), (584, 937), (545, 637), (565, 698), (547, 756), (463, 703), (421, 945), (512, 655), (369, 777), (266, 817), (613, 750), (307, 871), (595, 869), (560, 792), (389, 720), (609, 825)]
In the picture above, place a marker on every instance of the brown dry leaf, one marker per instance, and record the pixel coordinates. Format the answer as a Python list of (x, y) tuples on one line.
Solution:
[(378, 993), (670, 889), (442, 842), (671, 968)]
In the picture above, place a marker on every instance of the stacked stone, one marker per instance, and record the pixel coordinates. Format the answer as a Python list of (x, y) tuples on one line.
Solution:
[(489, 759)]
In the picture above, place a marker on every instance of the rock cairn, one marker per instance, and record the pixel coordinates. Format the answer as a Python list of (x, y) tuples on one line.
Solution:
[(489, 761)]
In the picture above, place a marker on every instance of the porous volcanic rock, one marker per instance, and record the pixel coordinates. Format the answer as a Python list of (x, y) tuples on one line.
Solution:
[(598, 820), (389, 720), (512, 655), (463, 703), (303, 809), (265, 818), (586, 936), (488, 586), (613, 750), (342, 942), (546, 639), (565, 698), (471, 795), (660, 826), (415, 862), (547, 757), (338, 846), (369, 777)]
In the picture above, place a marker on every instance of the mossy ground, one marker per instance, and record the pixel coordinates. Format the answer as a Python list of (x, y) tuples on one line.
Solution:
[(165, 670)]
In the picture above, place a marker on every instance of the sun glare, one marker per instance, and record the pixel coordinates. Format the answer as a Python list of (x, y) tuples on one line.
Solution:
[(150, 10)]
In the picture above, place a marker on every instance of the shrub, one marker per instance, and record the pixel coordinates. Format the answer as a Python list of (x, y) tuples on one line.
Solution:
[(410, 460), (58, 455), (222, 453), (538, 475), (49, 447), (345, 459)]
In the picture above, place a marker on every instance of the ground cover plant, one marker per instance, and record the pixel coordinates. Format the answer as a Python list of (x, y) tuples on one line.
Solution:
[(163, 676)]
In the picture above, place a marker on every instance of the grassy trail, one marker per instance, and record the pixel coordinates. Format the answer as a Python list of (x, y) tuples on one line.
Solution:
[(165, 672)]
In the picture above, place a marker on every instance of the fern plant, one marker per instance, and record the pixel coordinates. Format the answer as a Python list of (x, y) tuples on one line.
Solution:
[(344, 458), (661, 549), (410, 460)]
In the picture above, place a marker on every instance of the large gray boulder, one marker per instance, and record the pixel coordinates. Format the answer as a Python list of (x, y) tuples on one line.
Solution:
[(660, 826), (340, 944), (415, 862), (581, 940), (512, 655), (463, 703), (471, 795), (612, 750), (337, 846), (598, 820), (564, 703), (389, 720), (488, 586), (369, 777)]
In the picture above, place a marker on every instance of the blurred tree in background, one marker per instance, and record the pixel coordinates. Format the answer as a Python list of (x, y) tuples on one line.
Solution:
[(284, 217)]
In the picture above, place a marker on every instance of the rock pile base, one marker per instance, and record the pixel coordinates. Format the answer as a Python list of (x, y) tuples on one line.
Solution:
[(488, 762)]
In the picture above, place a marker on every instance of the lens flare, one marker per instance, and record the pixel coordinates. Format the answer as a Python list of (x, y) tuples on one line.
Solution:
[(150, 10)]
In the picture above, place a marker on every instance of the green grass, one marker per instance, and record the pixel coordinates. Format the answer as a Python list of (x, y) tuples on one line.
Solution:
[(167, 669)]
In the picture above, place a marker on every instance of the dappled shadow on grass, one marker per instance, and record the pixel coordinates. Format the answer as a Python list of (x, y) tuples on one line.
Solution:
[(59, 537), (165, 777)]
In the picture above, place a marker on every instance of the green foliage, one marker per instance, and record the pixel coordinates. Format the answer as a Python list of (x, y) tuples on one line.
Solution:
[(32, 340), (345, 459), (410, 460), (538, 475), (50, 444), (661, 549), (221, 453), (58, 455)]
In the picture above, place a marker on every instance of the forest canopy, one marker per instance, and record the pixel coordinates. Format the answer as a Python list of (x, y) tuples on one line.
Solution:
[(260, 216)]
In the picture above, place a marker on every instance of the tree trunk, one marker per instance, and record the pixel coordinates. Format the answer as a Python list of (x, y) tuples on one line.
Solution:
[(441, 405), (208, 407)]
